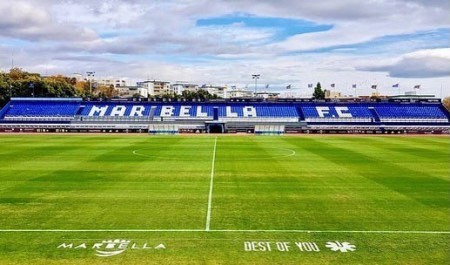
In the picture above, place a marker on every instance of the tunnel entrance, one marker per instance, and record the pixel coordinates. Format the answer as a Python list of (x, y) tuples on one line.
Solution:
[(215, 127)]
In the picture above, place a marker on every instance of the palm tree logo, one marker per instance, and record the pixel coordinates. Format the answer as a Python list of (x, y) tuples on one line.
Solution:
[(338, 246)]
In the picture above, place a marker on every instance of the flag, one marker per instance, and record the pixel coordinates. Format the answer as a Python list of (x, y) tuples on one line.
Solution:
[(417, 87), (288, 87), (396, 85), (310, 85), (333, 85), (374, 86), (267, 86), (354, 86)]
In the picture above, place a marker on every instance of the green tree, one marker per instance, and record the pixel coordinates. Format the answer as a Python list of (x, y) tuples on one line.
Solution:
[(109, 91), (318, 92), (200, 94), (167, 97), (57, 86), (188, 95), (82, 88), (4, 88), (19, 83)]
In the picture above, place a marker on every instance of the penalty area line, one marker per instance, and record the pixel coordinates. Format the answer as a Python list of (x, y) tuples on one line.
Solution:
[(232, 231)]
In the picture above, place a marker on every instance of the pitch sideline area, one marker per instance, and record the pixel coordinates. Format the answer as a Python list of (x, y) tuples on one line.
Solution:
[(337, 199)]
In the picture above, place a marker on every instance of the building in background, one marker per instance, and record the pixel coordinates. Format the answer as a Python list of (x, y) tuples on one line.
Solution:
[(132, 91), (220, 91), (235, 92), (156, 87), (267, 95), (332, 94), (179, 87), (112, 82)]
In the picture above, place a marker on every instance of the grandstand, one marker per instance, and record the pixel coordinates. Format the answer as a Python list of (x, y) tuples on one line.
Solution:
[(306, 116)]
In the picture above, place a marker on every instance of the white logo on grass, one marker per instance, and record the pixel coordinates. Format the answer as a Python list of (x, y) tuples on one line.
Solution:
[(160, 246), (342, 247), (110, 248)]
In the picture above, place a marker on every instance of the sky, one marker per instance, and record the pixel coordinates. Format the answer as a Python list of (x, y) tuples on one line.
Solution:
[(224, 42)]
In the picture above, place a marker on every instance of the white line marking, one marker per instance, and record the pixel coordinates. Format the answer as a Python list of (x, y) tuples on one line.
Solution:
[(290, 150), (208, 214), (135, 152), (231, 231), (102, 230), (336, 231)]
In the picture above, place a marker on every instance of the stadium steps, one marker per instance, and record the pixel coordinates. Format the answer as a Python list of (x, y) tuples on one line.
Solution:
[(443, 109), (300, 113), (375, 115), (4, 110)]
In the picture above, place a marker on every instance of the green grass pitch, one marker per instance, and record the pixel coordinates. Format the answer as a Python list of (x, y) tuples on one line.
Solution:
[(224, 199)]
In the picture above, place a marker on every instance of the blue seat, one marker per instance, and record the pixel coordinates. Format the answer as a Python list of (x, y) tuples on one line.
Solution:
[(409, 111)]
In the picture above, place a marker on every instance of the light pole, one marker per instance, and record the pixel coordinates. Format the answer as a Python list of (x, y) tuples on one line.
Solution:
[(31, 85), (90, 74), (256, 77)]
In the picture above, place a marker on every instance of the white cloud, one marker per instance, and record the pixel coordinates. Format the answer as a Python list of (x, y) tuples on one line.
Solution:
[(413, 18), (140, 38), (419, 64), (29, 21), (438, 53)]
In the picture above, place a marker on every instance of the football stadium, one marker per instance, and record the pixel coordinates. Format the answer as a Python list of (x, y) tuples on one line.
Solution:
[(243, 181)]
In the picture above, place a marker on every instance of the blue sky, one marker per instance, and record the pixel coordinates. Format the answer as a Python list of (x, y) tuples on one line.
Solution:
[(282, 27), (431, 39), (224, 42)]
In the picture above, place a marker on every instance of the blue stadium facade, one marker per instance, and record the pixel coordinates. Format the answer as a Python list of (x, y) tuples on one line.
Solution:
[(295, 116)]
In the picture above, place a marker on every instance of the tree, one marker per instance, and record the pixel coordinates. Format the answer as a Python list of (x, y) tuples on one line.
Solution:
[(19, 83), (82, 88), (318, 92), (446, 103), (17, 74), (188, 95), (56, 86), (200, 94), (4, 88), (108, 91), (166, 97)]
